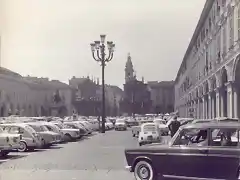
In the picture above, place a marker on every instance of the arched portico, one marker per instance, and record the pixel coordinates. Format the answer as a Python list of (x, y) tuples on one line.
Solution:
[(236, 78), (224, 93)]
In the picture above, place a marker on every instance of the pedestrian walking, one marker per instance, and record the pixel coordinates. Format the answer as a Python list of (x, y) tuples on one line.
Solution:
[(174, 126)]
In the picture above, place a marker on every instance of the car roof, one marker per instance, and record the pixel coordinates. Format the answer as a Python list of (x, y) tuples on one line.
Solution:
[(145, 124), (225, 118), (212, 125), (15, 124)]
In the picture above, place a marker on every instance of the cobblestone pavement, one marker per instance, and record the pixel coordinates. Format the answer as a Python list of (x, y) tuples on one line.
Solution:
[(99, 157)]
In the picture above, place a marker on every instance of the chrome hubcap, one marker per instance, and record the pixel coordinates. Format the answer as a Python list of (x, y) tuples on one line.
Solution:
[(143, 173), (22, 146)]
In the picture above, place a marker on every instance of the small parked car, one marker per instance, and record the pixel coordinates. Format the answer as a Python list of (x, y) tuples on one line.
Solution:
[(196, 151), (162, 127), (69, 134), (48, 137), (149, 134), (75, 125), (120, 125), (30, 139), (8, 142)]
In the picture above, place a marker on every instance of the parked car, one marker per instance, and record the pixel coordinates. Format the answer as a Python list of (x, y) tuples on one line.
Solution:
[(162, 127), (136, 129), (149, 134), (30, 139), (109, 125), (69, 134), (75, 125), (196, 151), (120, 125), (48, 137), (8, 142), (52, 127)]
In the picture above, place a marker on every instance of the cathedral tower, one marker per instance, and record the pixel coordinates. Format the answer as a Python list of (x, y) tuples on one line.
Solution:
[(129, 71)]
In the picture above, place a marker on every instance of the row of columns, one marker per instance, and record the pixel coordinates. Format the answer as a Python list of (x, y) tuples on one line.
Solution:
[(220, 102)]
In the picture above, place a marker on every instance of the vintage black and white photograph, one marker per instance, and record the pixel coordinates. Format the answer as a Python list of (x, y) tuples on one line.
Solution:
[(119, 89)]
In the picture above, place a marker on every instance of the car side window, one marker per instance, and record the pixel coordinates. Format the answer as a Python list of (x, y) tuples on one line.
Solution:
[(192, 137), (16, 130), (225, 137), (6, 128), (49, 128)]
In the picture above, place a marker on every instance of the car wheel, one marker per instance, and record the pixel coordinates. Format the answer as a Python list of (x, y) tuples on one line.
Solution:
[(133, 135), (4, 153), (140, 144), (144, 170), (68, 137), (23, 147)]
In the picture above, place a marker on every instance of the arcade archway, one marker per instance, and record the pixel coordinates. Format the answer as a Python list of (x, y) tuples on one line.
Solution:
[(224, 98), (237, 86)]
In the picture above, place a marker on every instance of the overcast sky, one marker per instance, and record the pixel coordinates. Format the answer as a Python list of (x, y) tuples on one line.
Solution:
[(50, 38)]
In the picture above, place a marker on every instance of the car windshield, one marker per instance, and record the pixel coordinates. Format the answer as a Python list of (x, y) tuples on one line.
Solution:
[(30, 129), (59, 125), (72, 126), (149, 128), (39, 128)]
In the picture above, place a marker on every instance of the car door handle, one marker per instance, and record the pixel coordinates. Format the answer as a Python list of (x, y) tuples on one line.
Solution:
[(203, 151)]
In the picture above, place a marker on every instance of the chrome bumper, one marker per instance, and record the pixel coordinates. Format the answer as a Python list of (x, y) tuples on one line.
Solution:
[(129, 168)]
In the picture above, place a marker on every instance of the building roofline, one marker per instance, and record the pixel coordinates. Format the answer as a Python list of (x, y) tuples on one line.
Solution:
[(201, 21)]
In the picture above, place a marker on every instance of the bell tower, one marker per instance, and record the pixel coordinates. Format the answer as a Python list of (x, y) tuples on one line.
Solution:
[(129, 71)]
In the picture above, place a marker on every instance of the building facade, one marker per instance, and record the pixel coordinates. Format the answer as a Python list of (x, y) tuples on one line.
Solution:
[(137, 98), (162, 96), (86, 96), (23, 96), (208, 81), (114, 95)]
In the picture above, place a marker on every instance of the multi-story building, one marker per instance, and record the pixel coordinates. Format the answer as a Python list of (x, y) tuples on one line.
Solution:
[(56, 96), (28, 97), (114, 95), (86, 96), (208, 81), (162, 96)]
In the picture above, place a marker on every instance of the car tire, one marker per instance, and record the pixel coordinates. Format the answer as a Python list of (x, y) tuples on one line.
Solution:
[(23, 147), (4, 153), (68, 137), (144, 170), (133, 135), (140, 144)]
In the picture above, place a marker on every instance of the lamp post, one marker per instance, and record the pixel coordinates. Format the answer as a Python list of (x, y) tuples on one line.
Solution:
[(99, 55)]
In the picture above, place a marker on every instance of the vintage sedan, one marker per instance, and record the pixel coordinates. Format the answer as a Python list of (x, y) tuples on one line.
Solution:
[(47, 137), (8, 142), (197, 151), (29, 137), (120, 125)]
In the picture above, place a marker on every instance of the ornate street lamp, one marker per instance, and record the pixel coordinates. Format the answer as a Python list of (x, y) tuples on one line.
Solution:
[(99, 55)]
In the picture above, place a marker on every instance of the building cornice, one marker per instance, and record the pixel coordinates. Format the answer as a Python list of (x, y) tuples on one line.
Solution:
[(202, 19)]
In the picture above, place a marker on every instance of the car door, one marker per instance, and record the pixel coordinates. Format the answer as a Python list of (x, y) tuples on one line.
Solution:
[(223, 160), (185, 161)]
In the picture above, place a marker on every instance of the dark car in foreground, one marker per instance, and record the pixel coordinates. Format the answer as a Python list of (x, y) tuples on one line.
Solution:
[(197, 151)]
